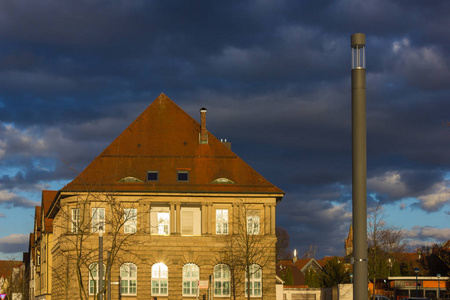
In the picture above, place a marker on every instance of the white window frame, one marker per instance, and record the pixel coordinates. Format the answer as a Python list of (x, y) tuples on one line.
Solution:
[(128, 279), (97, 219), (222, 280), (75, 218), (253, 222), (191, 274), (130, 220), (160, 282), (160, 220), (93, 277), (163, 223), (255, 281), (221, 221)]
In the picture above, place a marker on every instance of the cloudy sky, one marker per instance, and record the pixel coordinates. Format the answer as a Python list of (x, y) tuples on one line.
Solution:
[(275, 78)]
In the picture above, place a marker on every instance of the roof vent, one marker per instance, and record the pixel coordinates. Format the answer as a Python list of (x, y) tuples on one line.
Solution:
[(203, 138)]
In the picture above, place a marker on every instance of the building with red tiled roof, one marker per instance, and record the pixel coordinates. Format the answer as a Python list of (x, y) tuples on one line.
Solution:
[(43, 233), (174, 195)]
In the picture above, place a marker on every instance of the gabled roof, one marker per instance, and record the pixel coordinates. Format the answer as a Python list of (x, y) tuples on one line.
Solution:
[(164, 138), (37, 222), (47, 199), (6, 267), (406, 257), (446, 245)]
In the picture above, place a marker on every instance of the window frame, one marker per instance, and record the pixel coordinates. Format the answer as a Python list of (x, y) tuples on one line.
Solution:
[(128, 282), (165, 222), (182, 172), (190, 282), (155, 218), (75, 220), (222, 225), (130, 220), (253, 222), (96, 221), (162, 277), (254, 281), (224, 278), (153, 172)]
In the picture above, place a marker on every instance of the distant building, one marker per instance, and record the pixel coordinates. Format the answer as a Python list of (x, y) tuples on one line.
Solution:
[(178, 192), (42, 246)]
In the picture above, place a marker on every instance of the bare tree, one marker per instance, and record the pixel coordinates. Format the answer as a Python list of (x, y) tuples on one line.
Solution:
[(310, 252), (77, 227), (282, 245), (249, 250), (383, 240)]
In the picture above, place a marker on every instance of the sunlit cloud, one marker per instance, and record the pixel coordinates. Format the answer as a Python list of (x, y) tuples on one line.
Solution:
[(436, 199), (14, 243), (390, 184)]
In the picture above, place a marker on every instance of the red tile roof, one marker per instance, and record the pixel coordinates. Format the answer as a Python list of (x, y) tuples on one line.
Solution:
[(37, 221), (6, 267), (47, 199), (164, 138), (406, 257)]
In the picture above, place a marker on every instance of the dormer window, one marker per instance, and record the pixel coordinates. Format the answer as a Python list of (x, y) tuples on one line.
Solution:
[(183, 176), (152, 175)]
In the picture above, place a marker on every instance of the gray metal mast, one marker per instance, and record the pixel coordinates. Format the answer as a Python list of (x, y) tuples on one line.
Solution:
[(359, 166)]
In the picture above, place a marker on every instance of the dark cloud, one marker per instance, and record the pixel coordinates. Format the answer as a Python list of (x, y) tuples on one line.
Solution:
[(275, 77)]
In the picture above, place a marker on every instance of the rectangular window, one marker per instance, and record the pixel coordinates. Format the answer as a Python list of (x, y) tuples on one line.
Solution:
[(152, 175), (160, 220), (98, 219), (221, 221), (191, 218), (253, 222), (130, 215), (183, 176), (163, 222), (75, 220)]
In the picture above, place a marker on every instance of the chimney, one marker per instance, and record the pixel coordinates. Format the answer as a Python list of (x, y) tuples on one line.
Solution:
[(203, 138), (294, 259)]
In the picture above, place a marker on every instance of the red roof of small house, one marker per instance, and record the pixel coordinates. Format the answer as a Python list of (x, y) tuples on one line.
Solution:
[(297, 276), (165, 139), (47, 199), (6, 267), (446, 245), (406, 257), (298, 268), (37, 221)]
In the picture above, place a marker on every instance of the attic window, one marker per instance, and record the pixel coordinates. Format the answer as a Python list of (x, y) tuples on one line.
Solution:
[(183, 175), (130, 179), (223, 180), (152, 175)]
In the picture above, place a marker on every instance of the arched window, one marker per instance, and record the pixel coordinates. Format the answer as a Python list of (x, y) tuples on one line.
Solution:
[(221, 280), (128, 279), (190, 278), (93, 278), (159, 280), (255, 281)]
